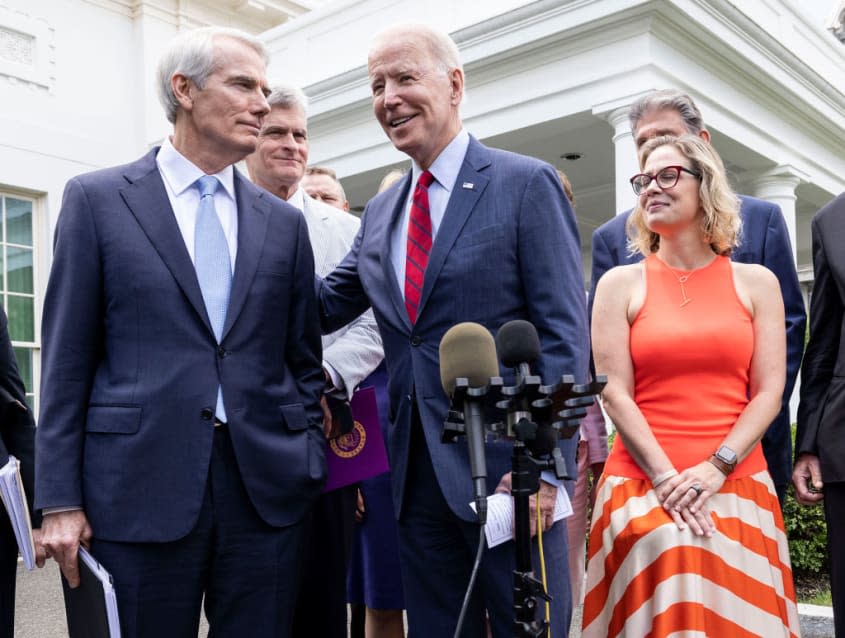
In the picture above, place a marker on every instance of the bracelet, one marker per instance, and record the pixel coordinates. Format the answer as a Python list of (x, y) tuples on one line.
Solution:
[(664, 477), (720, 465)]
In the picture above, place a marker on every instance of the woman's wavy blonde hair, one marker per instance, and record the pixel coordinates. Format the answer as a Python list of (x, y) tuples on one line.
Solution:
[(720, 220)]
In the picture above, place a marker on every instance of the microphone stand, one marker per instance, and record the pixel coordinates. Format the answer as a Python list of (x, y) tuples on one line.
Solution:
[(530, 410), (526, 466)]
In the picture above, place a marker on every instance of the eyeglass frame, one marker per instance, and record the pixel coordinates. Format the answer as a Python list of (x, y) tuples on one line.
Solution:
[(653, 178)]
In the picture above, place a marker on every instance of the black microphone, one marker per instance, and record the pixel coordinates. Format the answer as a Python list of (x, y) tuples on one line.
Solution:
[(467, 351), (518, 345)]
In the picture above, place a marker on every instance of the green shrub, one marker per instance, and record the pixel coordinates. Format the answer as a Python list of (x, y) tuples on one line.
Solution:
[(807, 534)]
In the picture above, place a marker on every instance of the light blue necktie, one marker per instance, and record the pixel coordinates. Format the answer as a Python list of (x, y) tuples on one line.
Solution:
[(211, 260)]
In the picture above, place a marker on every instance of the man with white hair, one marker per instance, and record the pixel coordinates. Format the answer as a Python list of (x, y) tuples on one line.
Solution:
[(180, 433), (470, 234), (349, 356)]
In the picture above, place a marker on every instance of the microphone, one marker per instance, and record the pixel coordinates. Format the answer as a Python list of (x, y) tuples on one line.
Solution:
[(518, 345), (467, 351)]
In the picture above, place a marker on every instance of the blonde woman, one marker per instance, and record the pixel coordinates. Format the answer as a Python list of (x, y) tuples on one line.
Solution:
[(687, 533)]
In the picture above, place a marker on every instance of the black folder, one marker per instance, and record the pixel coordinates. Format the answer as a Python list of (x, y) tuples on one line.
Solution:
[(91, 608)]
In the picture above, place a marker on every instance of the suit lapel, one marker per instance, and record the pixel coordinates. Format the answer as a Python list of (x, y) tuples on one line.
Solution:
[(147, 199), (462, 201), (253, 217), (396, 205)]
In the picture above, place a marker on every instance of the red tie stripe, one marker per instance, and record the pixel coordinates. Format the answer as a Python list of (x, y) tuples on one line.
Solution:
[(419, 245)]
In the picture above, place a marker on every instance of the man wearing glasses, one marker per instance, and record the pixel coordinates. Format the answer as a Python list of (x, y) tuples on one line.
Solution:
[(764, 240)]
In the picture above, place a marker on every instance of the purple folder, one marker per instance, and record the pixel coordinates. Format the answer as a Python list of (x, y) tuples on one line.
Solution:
[(360, 454)]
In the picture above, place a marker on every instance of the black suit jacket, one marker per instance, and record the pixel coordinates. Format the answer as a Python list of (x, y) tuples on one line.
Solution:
[(17, 437), (821, 413)]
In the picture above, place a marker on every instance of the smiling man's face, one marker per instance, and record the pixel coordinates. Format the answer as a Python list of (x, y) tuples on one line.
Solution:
[(415, 98)]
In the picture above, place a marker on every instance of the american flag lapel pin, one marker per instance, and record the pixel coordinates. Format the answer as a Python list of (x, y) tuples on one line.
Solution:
[(468, 185)]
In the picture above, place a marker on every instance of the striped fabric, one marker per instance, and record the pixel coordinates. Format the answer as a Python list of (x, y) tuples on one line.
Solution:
[(419, 245), (646, 577)]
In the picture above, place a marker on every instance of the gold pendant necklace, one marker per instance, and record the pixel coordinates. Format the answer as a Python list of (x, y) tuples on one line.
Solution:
[(682, 279)]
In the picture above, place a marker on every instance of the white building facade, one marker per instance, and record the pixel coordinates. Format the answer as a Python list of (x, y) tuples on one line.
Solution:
[(549, 78)]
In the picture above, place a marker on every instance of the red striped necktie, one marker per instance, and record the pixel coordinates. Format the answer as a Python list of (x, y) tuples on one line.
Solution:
[(419, 245)]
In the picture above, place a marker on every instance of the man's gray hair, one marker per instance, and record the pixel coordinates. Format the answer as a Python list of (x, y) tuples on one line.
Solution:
[(193, 55), (443, 49), (670, 99), (286, 96)]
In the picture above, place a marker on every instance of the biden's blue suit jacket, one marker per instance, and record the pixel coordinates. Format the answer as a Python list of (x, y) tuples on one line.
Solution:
[(131, 366), (507, 248), (764, 240)]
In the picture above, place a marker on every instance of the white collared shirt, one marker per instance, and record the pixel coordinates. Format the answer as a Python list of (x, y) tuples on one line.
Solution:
[(297, 200), (445, 170), (179, 175)]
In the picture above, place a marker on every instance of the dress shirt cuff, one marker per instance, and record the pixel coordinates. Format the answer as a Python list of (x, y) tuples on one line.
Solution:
[(549, 477), (59, 510), (337, 380)]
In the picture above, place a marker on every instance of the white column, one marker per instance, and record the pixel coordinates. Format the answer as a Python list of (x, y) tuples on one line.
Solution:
[(625, 162), (778, 186)]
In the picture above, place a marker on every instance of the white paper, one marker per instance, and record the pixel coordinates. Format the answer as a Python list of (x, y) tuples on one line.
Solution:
[(14, 498), (500, 519)]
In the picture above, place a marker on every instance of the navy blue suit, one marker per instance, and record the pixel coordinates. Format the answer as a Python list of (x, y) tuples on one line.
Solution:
[(764, 240), (131, 366), (507, 248)]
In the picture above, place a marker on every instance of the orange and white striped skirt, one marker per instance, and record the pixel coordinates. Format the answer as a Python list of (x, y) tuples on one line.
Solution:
[(645, 577)]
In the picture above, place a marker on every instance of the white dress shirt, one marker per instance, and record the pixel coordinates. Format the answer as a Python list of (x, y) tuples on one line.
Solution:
[(179, 175)]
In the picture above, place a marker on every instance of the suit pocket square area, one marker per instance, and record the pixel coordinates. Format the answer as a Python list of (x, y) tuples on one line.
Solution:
[(294, 416), (113, 419)]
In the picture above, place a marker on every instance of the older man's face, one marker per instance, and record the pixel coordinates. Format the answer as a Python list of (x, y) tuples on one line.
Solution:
[(279, 162), (227, 112), (658, 122), (323, 187), (414, 99)]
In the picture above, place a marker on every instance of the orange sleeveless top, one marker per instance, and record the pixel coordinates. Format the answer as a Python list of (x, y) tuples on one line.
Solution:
[(691, 346)]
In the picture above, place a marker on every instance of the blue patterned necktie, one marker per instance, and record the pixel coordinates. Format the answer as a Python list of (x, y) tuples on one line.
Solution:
[(211, 260)]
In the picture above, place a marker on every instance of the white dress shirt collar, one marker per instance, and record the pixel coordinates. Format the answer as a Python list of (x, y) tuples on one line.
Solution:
[(180, 173)]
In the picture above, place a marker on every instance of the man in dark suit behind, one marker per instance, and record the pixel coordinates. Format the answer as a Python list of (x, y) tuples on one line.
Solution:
[(505, 246), (764, 240), (819, 473), (17, 437), (181, 427)]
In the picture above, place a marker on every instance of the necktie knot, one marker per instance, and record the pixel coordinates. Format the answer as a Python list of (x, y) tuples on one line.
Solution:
[(426, 179), (207, 185)]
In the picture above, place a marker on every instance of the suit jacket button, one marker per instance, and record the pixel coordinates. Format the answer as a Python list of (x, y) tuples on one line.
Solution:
[(415, 340), (207, 414), (221, 352)]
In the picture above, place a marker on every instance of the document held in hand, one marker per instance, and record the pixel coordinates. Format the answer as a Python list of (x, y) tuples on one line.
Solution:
[(360, 454), (91, 608), (14, 498)]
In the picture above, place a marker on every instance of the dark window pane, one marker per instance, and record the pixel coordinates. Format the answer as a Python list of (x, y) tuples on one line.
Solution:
[(18, 221), (24, 357), (21, 318), (19, 269)]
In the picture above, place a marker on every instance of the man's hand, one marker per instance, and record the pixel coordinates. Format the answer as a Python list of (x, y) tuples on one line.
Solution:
[(327, 418), (548, 498), (40, 551), (61, 535), (807, 479)]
